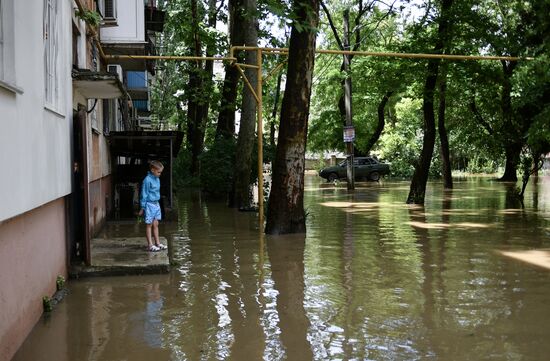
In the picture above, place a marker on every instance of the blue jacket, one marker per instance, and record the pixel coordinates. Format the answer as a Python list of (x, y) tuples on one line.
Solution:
[(150, 190)]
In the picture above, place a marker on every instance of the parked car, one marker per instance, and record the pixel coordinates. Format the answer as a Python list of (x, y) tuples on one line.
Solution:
[(365, 168)]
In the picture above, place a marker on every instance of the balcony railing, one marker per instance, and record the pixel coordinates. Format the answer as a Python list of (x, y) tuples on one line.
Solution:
[(141, 105), (136, 79)]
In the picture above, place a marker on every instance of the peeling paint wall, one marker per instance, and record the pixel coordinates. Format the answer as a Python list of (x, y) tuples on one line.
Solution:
[(100, 203)]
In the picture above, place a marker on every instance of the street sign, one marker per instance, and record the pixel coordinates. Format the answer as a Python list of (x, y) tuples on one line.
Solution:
[(349, 134)]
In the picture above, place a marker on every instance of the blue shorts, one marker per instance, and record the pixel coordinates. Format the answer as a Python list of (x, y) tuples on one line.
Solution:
[(152, 212)]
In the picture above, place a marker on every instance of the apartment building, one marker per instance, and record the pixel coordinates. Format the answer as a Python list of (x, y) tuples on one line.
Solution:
[(60, 104)]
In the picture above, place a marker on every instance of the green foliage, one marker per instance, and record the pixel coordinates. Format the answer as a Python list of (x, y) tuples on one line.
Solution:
[(217, 165), (182, 176), (401, 142), (90, 17), (60, 282), (507, 27), (47, 304)]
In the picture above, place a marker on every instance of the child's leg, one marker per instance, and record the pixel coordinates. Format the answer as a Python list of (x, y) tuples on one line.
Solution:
[(156, 232), (148, 235)]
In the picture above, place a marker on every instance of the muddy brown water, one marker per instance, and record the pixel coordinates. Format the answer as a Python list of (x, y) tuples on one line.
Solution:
[(373, 279)]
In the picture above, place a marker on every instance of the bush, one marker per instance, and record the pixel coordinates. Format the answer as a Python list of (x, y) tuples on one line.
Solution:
[(217, 166), (182, 176)]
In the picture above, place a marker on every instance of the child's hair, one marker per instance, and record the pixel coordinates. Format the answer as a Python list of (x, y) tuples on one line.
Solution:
[(156, 164)]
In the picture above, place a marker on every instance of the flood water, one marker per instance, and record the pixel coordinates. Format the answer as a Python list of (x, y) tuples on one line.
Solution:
[(373, 279)]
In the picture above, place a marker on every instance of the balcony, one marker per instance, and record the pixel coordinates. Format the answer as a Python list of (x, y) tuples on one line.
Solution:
[(141, 105), (136, 80)]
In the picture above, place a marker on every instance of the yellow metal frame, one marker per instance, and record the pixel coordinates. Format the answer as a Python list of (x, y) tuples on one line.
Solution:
[(257, 90)]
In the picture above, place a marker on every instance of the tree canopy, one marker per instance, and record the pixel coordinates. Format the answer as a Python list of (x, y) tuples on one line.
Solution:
[(418, 114)]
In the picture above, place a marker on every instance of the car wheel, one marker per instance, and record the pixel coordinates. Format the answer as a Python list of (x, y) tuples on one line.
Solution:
[(332, 177), (375, 176)]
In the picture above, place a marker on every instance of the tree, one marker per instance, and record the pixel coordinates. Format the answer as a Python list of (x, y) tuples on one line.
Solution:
[(345, 101), (226, 117), (245, 140), (286, 201), (513, 28), (420, 177)]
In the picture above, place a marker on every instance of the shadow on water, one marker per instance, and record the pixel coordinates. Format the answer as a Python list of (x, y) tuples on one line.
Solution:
[(373, 279)]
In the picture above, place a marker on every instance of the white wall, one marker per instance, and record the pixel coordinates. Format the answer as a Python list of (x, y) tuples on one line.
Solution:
[(35, 142), (128, 30)]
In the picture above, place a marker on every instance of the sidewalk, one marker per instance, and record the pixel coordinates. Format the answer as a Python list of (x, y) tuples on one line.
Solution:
[(123, 256)]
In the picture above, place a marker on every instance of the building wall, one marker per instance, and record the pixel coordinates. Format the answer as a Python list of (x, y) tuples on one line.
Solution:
[(32, 255), (35, 140), (128, 30), (99, 170), (35, 153), (100, 203)]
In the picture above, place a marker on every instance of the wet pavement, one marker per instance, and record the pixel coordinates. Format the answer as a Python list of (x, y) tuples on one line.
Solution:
[(373, 279), (111, 256)]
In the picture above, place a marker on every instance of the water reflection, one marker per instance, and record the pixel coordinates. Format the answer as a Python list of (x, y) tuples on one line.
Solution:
[(286, 256), (373, 279)]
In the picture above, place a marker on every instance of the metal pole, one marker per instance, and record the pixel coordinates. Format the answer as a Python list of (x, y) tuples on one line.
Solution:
[(171, 175), (259, 110), (347, 104)]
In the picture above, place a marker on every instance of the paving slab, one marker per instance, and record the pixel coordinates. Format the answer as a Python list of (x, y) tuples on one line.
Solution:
[(123, 256)]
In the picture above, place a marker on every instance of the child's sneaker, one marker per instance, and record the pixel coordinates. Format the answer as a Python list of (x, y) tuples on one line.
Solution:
[(162, 246), (154, 248)]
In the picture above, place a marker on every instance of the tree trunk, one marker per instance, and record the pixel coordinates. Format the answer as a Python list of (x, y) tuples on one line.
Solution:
[(286, 201), (513, 135), (208, 82), (195, 107), (512, 152), (226, 117), (274, 112), (245, 141), (443, 139), (195, 126), (381, 122), (422, 169)]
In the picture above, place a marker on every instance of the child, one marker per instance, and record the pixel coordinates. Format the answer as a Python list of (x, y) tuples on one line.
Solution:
[(150, 195)]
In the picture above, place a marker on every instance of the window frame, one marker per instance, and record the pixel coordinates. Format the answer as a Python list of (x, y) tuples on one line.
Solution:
[(53, 56), (2, 22), (108, 20), (7, 47)]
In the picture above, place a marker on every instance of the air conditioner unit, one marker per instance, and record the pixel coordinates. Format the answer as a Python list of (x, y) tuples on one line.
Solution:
[(108, 10), (115, 69)]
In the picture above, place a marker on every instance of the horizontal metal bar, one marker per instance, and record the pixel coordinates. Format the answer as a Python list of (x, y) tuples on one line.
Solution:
[(170, 57), (247, 65), (389, 54)]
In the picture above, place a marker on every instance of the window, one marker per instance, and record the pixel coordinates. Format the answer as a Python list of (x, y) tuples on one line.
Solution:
[(107, 9), (7, 46), (92, 105), (52, 56), (1, 41)]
